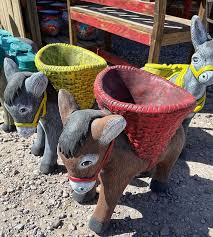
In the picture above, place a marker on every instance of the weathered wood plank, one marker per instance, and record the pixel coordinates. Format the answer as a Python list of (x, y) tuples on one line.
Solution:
[(6, 16), (158, 29), (129, 5), (176, 38), (18, 27), (34, 22), (113, 27), (2, 16), (72, 31)]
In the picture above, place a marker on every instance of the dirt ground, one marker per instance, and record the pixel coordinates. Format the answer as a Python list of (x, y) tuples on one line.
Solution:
[(38, 205)]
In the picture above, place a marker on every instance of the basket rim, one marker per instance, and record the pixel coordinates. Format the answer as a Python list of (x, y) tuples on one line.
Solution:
[(54, 68), (138, 108)]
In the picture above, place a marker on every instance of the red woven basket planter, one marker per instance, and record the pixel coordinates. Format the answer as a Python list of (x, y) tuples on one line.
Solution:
[(153, 107)]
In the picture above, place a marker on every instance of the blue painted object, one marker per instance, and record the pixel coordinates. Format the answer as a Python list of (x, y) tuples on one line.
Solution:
[(7, 41), (20, 52), (4, 33), (23, 55)]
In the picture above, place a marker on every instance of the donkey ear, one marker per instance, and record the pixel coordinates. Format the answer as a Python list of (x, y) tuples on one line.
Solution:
[(198, 32), (107, 128), (66, 104), (10, 67), (36, 84)]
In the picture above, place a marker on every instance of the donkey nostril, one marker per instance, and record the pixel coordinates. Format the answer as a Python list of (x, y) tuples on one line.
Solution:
[(82, 189)]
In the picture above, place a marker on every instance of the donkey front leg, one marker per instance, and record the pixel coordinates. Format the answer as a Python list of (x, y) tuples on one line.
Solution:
[(49, 159), (39, 143), (8, 125), (163, 168), (112, 186)]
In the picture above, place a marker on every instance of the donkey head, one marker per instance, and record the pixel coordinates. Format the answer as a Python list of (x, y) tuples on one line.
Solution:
[(203, 56), (84, 140), (23, 96)]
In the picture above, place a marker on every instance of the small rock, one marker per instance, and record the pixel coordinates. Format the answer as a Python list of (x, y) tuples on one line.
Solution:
[(36, 172), (56, 224), (16, 172), (62, 216), (165, 231), (10, 190), (154, 197), (4, 193), (19, 227), (156, 223), (25, 211), (41, 191), (72, 227), (203, 221), (33, 187), (33, 226), (65, 195), (40, 234), (2, 234)]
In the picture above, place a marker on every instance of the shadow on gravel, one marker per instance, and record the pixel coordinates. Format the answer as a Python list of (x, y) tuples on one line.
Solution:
[(186, 210), (61, 169)]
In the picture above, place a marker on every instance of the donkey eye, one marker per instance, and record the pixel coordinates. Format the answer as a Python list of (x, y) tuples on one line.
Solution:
[(196, 59), (86, 163), (203, 76), (23, 110)]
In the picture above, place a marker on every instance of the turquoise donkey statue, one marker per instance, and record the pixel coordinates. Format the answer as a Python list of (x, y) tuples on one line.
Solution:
[(194, 77), (8, 125), (33, 103)]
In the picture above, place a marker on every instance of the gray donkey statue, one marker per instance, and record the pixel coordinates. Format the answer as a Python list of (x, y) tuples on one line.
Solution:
[(8, 125), (194, 77), (33, 104)]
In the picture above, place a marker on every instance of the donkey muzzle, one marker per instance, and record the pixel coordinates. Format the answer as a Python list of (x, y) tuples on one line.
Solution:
[(82, 187), (26, 131)]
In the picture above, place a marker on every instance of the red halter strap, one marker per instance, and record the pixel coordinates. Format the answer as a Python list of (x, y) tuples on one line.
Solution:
[(101, 166)]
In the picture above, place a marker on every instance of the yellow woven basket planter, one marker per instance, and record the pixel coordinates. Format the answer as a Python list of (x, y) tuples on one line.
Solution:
[(72, 68)]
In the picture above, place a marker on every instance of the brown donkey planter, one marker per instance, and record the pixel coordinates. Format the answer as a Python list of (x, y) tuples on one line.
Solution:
[(94, 141)]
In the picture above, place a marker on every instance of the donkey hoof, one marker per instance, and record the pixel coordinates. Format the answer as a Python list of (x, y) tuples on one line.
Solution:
[(183, 154), (97, 226), (144, 174), (8, 128), (36, 150), (158, 187), (85, 198), (47, 169)]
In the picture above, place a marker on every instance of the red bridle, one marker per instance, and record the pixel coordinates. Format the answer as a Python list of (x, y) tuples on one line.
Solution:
[(101, 166)]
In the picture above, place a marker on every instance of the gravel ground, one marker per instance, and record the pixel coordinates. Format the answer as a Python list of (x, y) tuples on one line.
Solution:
[(137, 53), (38, 205)]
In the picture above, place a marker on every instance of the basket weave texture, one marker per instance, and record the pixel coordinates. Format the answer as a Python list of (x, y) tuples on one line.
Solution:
[(72, 68), (153, 107)]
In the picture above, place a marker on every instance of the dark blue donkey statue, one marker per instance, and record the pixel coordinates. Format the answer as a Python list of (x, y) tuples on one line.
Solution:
[(8, 125), (33, 104)]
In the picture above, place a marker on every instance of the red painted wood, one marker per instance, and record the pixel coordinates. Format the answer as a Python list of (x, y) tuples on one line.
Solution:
[(187, 8), (129, 5), (113, 59), (112, 27)]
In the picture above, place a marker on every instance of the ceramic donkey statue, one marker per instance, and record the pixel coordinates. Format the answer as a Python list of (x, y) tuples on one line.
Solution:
[(33, 103), (85, 147), (8, 125), (194, 77)]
